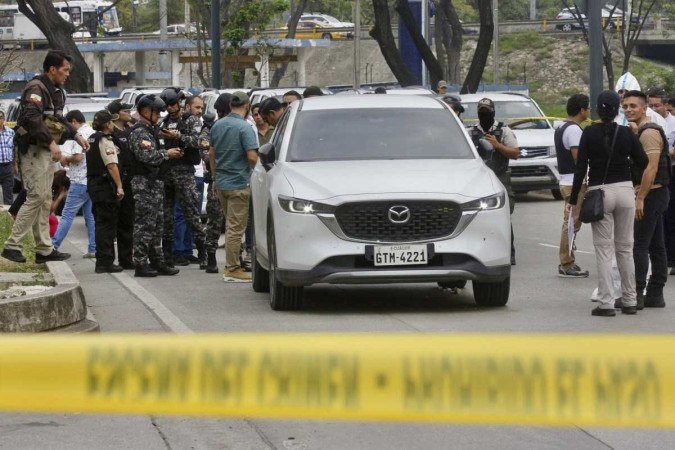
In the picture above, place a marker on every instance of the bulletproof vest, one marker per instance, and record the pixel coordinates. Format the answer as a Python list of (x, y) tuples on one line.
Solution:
[(139, 167), (497, 162), (663, 173), (566, 164), (95, 166), (190, 155), (126, 157)]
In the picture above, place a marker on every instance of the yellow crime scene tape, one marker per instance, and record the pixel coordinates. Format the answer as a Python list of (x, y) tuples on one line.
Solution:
[(559, 380)]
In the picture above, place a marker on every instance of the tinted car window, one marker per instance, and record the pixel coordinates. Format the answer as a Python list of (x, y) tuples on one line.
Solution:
[(377, 134), (508, 110)]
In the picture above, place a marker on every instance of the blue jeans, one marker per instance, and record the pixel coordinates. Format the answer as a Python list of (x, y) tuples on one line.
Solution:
[(77, 198), (182, 236)]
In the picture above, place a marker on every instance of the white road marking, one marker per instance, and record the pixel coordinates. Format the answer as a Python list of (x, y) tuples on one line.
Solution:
[(557, 247)]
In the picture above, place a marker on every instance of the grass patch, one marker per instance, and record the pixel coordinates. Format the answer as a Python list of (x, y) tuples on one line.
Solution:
[(521, 41), (6, 265), (554, 109)]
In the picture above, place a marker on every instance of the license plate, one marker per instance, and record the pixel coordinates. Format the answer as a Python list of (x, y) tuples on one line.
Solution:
[(400, 255)]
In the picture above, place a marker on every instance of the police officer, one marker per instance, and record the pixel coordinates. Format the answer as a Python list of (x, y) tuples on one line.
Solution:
[(454, 101), (504, 146), (148, 188), (105, 189), (214, 212), (125, 219), (178, 131)]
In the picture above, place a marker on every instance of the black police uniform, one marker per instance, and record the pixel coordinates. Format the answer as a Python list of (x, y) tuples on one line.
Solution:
[(125, 218)]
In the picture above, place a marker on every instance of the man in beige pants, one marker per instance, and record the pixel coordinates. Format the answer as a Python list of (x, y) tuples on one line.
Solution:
[(41, 128)]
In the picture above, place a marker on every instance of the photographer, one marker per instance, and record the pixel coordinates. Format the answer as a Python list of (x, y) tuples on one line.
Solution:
[(496, 144)]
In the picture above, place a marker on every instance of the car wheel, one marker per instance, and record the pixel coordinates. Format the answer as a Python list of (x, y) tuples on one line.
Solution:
[(491, 294), (282, 298), (567, 27), (260, 277), (557, 194), (326, 36), (457, 284)]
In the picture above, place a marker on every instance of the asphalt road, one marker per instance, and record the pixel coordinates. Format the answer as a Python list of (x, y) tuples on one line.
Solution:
[(197, 302)]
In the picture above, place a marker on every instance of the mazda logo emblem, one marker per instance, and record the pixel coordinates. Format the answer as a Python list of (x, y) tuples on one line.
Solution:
[(399, 214)]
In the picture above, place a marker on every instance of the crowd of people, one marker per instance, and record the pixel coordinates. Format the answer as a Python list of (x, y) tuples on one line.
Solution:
[(138, 180)]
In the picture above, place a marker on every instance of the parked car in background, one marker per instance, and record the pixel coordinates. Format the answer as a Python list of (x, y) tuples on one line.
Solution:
[(537, 167), (344, 194), (325, 19), (309, 29), (129, 95), (210, 95)]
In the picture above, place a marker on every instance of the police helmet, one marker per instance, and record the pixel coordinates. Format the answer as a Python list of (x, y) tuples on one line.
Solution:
[(454, 101), (171, 96), (152, 101)]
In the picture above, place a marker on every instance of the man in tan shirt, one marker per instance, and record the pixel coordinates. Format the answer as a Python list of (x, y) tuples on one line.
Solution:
[(651, 203)]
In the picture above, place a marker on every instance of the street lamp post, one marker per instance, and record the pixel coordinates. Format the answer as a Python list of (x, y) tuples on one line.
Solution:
[(134, 6)]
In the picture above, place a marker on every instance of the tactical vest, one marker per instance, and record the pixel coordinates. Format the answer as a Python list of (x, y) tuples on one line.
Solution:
[(497, 162), (126, 157), (566, 164), (95, 166), (190, 155), (141, 168), (663, 173)]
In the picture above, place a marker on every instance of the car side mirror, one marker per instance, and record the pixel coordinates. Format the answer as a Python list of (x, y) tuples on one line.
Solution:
[(267, 155)]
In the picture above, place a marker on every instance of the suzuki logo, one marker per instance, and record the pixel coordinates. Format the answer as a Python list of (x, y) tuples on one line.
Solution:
[(399, 214)]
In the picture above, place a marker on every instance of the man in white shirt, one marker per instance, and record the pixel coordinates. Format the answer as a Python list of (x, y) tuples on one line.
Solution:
[(74, 161), (627, 82), (567, 139)]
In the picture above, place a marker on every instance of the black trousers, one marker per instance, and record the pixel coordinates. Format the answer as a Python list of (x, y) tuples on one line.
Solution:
[(105, 217), (7, 182), (669, 224), (649, 242), (125, 227)]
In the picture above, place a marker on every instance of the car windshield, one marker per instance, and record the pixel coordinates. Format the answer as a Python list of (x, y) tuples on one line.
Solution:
[(377, 134), (518, 115)]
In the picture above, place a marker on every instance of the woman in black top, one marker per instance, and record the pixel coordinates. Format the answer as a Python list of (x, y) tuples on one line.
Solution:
[(613, 235)]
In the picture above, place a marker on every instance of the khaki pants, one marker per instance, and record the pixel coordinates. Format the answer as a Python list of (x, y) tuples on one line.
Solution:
[(613, 235), (37, 170), (566, 255), (235, 211)]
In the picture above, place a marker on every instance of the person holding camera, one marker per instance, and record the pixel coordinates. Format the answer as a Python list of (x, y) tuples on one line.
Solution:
[(498, 146), (40, 129)]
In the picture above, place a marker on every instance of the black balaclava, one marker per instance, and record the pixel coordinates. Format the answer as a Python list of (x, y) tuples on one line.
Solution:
[(486, 118)]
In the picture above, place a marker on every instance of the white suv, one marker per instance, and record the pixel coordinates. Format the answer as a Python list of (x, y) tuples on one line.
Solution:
[(537, 167), (376, 189)]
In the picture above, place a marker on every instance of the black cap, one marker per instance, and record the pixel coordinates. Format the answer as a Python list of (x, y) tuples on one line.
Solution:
[(222, 103), (101, 118), (608, 105), (118, 105)]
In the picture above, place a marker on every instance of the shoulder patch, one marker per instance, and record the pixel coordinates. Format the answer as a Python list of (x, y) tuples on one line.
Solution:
[(35, 98), (146, 145)]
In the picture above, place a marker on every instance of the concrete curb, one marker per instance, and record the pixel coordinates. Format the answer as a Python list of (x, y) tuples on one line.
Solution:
[(61, 308)]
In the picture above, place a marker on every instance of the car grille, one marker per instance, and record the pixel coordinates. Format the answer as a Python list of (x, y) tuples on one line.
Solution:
[(533, 152), (369, 221), (529, 171)]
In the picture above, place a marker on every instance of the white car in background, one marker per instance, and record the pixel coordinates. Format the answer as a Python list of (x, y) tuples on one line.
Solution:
[(537, 167), (345, 193)]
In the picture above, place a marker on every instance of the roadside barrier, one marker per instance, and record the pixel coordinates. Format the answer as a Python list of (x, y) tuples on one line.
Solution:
[(559, 380)]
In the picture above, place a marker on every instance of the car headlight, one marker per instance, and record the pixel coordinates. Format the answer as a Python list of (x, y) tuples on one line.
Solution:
[(299, 206), (486, 203)]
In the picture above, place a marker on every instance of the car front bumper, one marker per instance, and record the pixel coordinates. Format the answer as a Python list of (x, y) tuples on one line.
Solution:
[(534, 174)]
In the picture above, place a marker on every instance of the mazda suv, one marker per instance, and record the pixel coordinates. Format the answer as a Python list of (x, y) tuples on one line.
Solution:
[(369, 189)]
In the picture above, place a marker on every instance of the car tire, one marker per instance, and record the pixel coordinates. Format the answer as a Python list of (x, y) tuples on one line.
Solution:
[(456, 284), (567, 27), (260, 278), (491, 294), (327, 36), (557, 194), (282, 298)]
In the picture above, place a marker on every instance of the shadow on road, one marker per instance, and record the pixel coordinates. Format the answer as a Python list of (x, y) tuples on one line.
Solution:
[(535, 196)]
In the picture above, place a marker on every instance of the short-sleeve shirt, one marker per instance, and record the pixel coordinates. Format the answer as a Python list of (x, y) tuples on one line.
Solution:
[(571, 137), (650, 139), (77, 172), (231, 138), (108, 151)]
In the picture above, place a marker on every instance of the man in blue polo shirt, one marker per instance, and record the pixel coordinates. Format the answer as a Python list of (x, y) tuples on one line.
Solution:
[(233, 152)]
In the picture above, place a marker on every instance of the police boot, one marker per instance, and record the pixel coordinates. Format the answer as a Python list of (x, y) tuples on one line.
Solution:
[(211, 265), (168, 255), (144, 270), (201, 255), (164, 269)]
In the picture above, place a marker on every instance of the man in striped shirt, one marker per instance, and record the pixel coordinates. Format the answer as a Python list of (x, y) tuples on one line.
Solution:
[(6, 160)]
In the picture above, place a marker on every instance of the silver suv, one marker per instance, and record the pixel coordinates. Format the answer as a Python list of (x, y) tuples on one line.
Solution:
[(537, 167)]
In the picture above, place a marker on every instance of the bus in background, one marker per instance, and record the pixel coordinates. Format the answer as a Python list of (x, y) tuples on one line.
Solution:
[(91, 17)]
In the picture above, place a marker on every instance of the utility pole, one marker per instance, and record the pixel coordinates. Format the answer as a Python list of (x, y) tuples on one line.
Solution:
[(533, 9), (164, 63), (357, 44), (495, 42), (594, 15), (134, 6), (188, 30), (215, 44)]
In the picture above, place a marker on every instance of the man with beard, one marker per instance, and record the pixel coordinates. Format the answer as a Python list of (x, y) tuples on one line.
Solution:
[(504, 147), (179, 180)]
